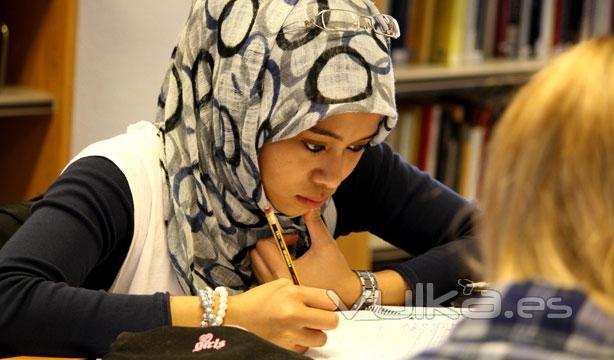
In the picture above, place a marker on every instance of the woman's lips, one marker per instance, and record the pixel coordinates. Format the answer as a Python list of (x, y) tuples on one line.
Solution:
[(312, 203)]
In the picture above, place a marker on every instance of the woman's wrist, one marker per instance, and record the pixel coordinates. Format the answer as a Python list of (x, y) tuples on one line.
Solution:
[(393, 287), (185, 311), (350, 290)]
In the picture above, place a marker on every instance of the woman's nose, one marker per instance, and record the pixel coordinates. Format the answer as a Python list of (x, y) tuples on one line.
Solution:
[(330, 173)]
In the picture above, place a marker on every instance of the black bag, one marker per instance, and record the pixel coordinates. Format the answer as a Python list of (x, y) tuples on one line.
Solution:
[(12, 216), (217, 342)]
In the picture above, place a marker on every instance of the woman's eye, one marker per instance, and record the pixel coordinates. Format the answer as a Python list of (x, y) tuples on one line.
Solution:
[(314, 148), (357, 148)]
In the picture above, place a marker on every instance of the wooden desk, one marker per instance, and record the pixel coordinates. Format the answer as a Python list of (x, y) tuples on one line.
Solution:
[(36, 358)]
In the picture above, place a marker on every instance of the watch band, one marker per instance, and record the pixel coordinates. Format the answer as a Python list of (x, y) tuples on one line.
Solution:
[(370, 292)]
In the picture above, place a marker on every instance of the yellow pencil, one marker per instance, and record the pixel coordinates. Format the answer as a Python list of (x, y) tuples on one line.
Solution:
[(281, 243)]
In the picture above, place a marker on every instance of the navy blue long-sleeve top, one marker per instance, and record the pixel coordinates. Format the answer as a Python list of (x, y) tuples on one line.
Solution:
[(54, 271)]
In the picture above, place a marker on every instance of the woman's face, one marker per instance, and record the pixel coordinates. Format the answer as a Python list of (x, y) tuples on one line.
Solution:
[(302, 172)]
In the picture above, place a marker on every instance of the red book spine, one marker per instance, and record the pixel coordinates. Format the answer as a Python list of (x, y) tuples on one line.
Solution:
[(503, 18), (425, 131)]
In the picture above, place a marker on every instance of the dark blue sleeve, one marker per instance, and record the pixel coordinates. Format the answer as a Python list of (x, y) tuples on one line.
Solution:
[(409, 209), (55, 269)]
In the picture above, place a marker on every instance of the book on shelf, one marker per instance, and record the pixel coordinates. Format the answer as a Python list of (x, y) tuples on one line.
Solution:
[(432, 148), (572, 22), (401, 138), (464, 156), (425, 136), (448, 162), (447, 140), (428, 152), (535, 27), (400, 52), (588, 20), (508, 28), (405, 138), (603, 18), (489, 28), (420, 29), (524, 29), (474, 153), (456, 32), (471, 51), (448, 31), (546, 34)]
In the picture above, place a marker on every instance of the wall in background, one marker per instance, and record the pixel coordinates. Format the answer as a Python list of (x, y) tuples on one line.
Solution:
[(122, 53)]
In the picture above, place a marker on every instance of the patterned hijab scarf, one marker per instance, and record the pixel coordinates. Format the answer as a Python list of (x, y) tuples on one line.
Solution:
[(246, 73)]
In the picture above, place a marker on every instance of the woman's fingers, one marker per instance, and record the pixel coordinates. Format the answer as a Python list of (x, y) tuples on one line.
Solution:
[(291, 316), (299, 349), (319, 298), (315, 226), (291, 239), (318, 312), (319, 319), (270, 255), (267, 260), (260, 268), (318, 232), (312, 338)]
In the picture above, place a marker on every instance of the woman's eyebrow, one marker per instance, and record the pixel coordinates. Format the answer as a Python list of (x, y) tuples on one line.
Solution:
[(326, 133), (337, 136)]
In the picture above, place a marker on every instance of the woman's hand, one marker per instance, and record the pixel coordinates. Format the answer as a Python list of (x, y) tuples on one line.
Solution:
[(322, 266), (290, 316)]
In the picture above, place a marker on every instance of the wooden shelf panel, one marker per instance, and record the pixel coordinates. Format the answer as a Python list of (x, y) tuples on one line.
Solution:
[(423, 78), (35, 148), (23, 101)]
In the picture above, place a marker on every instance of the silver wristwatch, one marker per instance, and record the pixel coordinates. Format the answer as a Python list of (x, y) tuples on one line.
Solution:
[(370, 292)]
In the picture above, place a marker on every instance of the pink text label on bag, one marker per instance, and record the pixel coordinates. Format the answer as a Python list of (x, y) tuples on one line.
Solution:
[(206, 341)]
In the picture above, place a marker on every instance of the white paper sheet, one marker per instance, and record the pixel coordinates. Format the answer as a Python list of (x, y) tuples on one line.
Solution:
[(369, 335)]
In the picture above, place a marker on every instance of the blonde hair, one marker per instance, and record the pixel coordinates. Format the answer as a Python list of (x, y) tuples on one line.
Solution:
[(548, 194)]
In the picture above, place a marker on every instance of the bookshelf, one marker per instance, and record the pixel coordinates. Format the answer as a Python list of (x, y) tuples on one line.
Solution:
[(412, 79), (36, 104), (452, 52)]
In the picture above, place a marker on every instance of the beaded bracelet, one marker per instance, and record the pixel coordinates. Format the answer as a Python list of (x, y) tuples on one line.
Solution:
[(222, 304), (206, 301)]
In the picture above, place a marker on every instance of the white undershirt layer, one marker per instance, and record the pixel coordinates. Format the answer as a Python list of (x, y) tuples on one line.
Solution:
[(147, 268)]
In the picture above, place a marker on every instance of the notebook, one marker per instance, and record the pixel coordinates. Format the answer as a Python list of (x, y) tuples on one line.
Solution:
[(387, 333)]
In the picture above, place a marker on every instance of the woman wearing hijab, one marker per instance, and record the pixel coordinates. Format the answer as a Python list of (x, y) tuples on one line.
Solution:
[(267, 103), (547, 232)]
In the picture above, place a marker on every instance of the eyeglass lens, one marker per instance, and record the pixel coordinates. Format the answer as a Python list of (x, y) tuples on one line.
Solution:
[(338, 20), (343, 20)]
